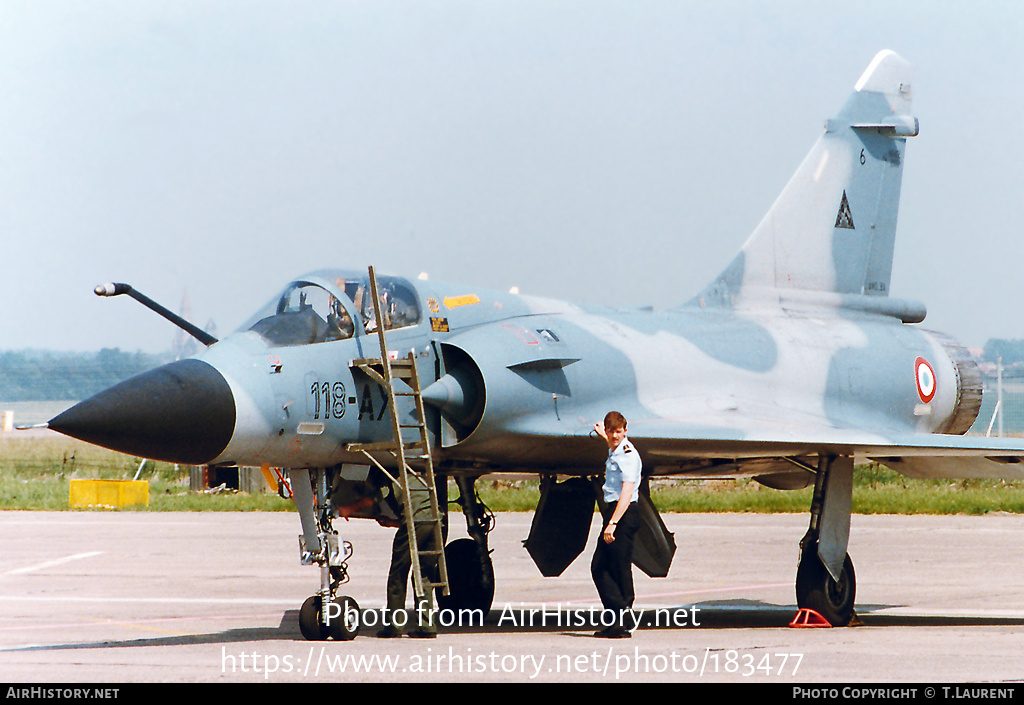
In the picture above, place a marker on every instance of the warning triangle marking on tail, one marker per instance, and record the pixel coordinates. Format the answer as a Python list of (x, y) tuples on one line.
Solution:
[(845, 218)]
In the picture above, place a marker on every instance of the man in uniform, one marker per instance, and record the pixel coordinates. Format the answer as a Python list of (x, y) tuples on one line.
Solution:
[(612, 566)]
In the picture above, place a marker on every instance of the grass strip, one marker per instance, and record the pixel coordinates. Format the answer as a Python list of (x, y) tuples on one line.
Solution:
[(35, 474)]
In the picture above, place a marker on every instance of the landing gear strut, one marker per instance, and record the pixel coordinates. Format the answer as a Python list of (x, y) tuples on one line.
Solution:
[(470, 571), (825, 580), (325, 614)]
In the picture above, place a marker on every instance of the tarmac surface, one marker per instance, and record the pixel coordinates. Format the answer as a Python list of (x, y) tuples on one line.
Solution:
[(122, 597)]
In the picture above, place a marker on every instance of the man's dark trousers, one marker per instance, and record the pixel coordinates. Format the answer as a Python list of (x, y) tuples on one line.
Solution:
[(612, 566)]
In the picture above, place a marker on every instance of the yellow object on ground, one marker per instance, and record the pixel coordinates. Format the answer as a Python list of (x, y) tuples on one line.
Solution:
[(109, 493)]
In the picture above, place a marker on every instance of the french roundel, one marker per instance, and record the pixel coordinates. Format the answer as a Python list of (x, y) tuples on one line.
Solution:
[(925, 379)]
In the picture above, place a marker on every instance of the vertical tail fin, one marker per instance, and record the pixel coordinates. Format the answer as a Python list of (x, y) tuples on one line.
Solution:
[(833, 227)]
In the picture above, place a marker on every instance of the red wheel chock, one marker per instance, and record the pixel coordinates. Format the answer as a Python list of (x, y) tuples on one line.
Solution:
[(808, 618)]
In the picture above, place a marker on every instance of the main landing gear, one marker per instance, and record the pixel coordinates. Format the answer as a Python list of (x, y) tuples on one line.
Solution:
[(470, 571), (817, 590), (825, 581)]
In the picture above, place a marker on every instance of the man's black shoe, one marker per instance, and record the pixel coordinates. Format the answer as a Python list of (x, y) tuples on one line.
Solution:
[(613, 632)]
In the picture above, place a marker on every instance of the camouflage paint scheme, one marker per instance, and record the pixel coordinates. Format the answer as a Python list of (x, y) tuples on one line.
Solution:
[(792, 362)]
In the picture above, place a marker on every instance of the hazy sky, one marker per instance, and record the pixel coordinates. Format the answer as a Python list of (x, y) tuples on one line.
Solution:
[(596, 151)]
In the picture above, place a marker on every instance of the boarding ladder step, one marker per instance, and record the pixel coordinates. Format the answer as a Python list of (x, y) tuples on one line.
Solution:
[(385, 370)]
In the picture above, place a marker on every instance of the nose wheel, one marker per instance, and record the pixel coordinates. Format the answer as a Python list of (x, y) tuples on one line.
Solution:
[(340, 621)]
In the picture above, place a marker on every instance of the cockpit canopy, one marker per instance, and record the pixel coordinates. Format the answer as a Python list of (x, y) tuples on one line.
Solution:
[(322, 308)]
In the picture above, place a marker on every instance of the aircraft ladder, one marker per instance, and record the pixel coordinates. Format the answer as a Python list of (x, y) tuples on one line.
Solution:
[(385, 371)]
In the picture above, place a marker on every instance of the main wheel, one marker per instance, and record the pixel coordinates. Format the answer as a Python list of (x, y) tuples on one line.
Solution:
[(470, 578), (816, 590), (345, 626), (311, 621)]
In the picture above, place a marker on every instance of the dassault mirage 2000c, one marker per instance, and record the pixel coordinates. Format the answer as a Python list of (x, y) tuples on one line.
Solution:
[(790, 366)]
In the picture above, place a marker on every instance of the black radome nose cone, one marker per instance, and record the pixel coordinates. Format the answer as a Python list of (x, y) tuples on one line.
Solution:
[(183, 412)]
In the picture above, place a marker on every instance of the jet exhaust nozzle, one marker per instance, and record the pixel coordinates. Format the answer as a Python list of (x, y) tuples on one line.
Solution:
[(183, 412)]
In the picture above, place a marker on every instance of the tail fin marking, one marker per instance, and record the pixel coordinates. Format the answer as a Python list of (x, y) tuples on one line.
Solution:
[(833, 227)]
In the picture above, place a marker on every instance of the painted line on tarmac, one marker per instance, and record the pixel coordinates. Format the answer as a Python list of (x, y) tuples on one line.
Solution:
[(140, 622), (51, 564), (292, 601)]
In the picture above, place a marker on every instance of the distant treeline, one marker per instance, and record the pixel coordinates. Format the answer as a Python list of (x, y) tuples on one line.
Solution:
[(42, 375), (45, 375), (1012, 351)]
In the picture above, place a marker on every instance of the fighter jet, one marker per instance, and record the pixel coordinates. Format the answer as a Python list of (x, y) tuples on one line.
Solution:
[(791, 366)]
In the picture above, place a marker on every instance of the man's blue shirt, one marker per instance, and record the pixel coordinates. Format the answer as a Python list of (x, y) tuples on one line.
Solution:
[(623, 465)]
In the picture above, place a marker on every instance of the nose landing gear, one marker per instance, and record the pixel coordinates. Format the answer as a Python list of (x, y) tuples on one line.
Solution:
[(325, 614)]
